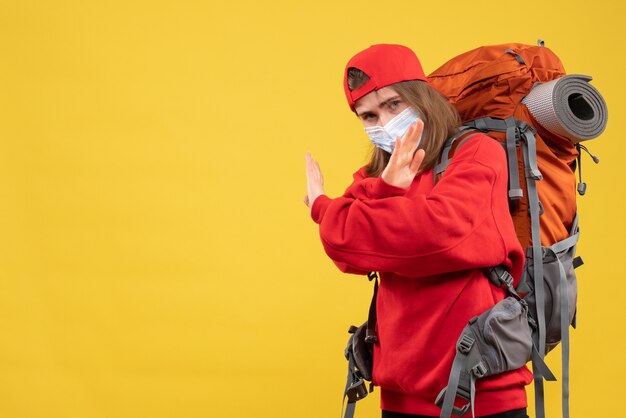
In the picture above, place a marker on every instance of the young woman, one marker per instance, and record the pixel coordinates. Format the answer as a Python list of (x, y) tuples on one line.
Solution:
[(429, 242)]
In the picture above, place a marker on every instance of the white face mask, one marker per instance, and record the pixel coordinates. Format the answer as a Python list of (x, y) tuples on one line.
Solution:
[(384, 137)]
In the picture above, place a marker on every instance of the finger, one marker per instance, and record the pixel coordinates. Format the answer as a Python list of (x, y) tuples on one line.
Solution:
[(318, 172), (310, 166), (417, 160), (412, 135), (306, 200), (404, 141), (398, 149), (309, 174), (419, 128)]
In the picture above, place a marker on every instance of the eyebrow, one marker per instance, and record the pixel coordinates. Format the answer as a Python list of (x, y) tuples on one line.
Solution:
[(382, 104), (391, 99)]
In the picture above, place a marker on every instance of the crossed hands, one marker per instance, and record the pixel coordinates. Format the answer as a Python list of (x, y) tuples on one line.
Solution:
[(400, 171)]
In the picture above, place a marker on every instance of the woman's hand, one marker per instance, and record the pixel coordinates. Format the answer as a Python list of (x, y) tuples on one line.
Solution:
[(314, 181), (405, 161)]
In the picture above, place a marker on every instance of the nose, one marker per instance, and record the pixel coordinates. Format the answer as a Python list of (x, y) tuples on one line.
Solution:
[(383, 118)]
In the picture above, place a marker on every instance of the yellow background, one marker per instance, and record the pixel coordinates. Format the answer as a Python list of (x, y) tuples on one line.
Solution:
[(156, 259)]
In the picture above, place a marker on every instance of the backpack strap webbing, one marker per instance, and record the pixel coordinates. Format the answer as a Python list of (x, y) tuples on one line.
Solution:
[(510, 127), (449, 147), (466, 368), (534, 207), (518, 133), (355, 389), (559, 247), (500, 277)]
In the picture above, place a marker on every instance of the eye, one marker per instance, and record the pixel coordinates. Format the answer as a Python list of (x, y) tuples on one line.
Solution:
[(393, 105), (368, 116)]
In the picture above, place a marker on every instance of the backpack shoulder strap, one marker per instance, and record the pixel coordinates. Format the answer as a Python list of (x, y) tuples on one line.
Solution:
[(449, 148), (511, 127)]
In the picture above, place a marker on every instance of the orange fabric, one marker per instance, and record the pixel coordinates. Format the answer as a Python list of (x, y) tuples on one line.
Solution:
[(487, 82)]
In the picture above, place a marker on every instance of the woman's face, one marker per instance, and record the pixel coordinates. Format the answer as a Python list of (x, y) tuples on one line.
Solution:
[(379, 107)]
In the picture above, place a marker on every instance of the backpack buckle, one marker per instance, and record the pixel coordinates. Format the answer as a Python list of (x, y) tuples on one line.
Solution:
[(479, 370), (506, 278), (455, 409), (465, 343), (356, 391), (500, 276), (370, 336), (523, 126)]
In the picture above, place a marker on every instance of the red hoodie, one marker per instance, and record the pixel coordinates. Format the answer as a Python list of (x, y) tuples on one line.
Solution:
[(429, 243)]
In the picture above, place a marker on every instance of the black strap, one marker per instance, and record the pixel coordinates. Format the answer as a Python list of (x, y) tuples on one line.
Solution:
[(370, 334), (355, 389), (355, 385)]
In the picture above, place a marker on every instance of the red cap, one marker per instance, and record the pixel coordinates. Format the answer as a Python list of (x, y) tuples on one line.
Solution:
[(385, 64)]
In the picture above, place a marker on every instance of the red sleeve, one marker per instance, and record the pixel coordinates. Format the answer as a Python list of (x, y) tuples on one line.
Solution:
[(363, 187), (462, 223)]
